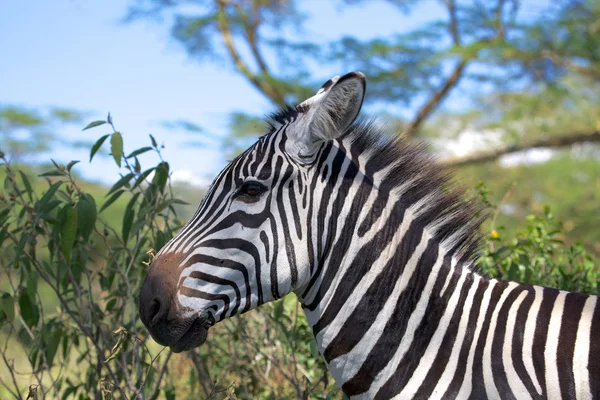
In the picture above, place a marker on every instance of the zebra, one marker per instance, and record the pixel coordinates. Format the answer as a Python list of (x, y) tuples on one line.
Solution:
[(379, 248)]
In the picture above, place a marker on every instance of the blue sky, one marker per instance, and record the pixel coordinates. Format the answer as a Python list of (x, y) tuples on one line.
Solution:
[(79, 54)]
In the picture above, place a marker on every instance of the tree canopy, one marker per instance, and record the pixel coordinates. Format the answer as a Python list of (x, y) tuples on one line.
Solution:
[(525, 76)]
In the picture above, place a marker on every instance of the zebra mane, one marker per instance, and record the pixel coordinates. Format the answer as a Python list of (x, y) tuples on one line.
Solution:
[(457, 216), (284, 115)]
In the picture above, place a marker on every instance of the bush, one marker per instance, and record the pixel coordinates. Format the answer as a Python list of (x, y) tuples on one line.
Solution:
[(69, 327), (68, 291), (538, 255)]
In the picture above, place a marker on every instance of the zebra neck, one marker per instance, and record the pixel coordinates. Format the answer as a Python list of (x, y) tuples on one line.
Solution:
[(382, 273), (369, 322)]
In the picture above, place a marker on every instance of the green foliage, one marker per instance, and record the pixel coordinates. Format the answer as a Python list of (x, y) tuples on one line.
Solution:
[(539, 256), (68, 278), (71, 266)]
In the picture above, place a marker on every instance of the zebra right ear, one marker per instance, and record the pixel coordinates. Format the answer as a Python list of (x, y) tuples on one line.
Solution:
[(326, 115)]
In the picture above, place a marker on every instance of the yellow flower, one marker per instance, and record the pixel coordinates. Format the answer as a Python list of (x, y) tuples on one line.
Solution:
[(494, 234)]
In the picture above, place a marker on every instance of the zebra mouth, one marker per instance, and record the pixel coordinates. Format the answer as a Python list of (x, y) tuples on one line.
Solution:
[(193, 337)]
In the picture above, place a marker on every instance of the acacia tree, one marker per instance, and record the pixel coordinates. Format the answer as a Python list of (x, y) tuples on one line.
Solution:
[(527, 77), (486, 49)]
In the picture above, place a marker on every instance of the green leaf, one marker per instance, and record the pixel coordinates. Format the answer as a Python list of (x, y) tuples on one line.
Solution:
[(28, 187), (170, 393), (68, 230), (111, 304), (70, 165), (143, 176), (94, 124), (3, 233), (51, 343), (29, 309), (137, 168), (161, 175), (97, 145), (116, 147), (111, 200), (7, 305), (45, 200), (4, 215), (32, 283), (153, 141), (164, 204), (86, 215), (128, 218), (71, 390), (139, 151), (52, 173), (121, 182)]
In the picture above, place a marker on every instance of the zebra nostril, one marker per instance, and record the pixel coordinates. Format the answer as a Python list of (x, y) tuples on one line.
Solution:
[(157, 310), (154, 310)]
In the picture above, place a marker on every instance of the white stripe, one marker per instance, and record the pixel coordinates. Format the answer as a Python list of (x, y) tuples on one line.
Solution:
[(426, 362), (528, 337), (582, 349), (467, 386), (488, 376), (516, 385), (550, 353)]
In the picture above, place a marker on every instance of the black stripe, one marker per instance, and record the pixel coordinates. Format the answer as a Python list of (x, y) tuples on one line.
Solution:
[(206, 259), (220, 281), (574, 303), (243, 246), (498, 368), (541, 333), (265, 240), (594, 356), (478, 387)]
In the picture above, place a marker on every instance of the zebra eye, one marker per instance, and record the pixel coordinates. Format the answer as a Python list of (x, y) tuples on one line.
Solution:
[(251, 189)]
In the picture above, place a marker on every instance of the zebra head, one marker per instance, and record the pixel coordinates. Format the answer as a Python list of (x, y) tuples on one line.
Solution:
[(251, 242)]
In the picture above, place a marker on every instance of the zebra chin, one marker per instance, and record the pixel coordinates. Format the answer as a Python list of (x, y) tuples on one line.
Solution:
[(183, 336)]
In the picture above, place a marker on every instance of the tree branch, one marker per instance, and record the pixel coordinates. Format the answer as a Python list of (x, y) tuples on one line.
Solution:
[(454, 77), (451, 5), (251, 29), (551, 142), (267, 89), (435, 99)]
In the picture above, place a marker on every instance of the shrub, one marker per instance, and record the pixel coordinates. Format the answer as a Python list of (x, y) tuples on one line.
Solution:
[(68, 297)]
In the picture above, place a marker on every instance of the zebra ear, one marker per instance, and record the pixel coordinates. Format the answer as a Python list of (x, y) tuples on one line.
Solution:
[(326, 115)]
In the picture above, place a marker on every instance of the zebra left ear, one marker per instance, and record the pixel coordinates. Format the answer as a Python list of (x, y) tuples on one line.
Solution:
[(326, 115)]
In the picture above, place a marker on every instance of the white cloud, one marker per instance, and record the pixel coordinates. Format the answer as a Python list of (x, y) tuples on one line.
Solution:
[(188, 176)]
